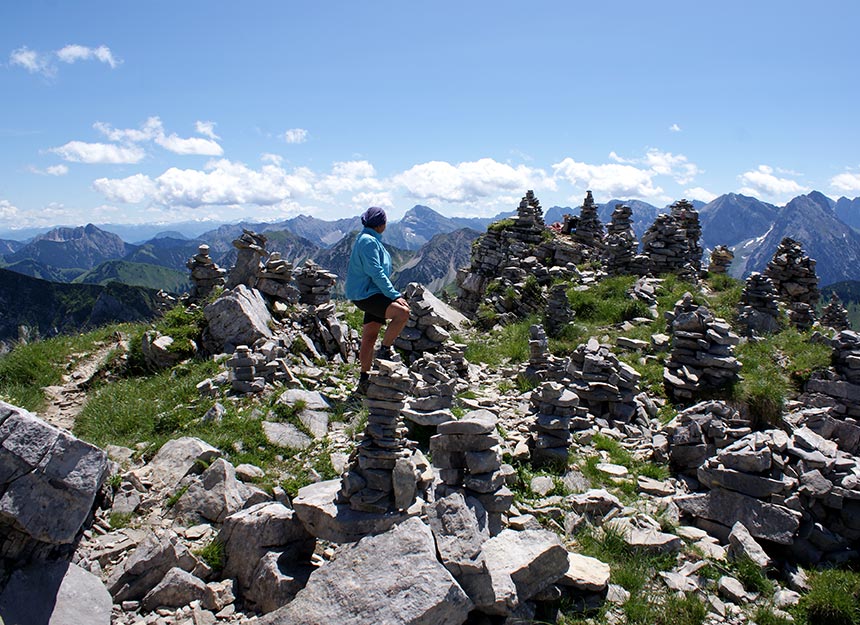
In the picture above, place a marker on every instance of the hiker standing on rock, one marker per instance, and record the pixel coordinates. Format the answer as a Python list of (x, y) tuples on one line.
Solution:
[(369, 287)]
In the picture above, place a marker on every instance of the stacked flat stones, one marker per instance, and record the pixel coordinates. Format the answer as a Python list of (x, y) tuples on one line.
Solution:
[(702, 356), (839, 388), (275, 279), (835, 315), (324, 332), (252, 248), (589, 228), (697, 432), (430, 323), (205, 274), (758, 310), (529, 213), (645, 290), (243, 371), (606, 386), (554, 405), (559, 314), (796, 283), (672, 241), (620, 245), (542, 365), (433, 393), (382, 478), (315, 283), (688, 218), (467, 454), (721, 258)]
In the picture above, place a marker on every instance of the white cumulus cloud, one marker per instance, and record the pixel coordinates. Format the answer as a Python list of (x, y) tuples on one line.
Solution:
[(131, 190), (349, 176), (296, 135), (149, 130), (369, 198), (153, 130), (674, 128), (74, 53), (207, 129), (33, 61), (101, 153), (191, 145), (469, 181), (612, 179), (763, 183), (7, 209), (846, 182), (668, 164), (53, 170), (698, 193)]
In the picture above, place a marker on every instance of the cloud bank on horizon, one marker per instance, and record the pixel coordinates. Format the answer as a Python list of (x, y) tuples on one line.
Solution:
[(246, 123)]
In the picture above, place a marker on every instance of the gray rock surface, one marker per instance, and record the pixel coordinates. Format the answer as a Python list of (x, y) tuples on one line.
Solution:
[(214, 496), (238, 317), (55, 593), (176, 589), (147, 565), (460, 530), (392, 578), (176, 459)]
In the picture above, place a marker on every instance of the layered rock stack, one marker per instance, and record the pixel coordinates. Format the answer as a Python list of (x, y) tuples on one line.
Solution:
[(702, 356), (433, 393), (839, 388), (672, 242), (321, 332), (430, 324), (559, 314), (383, 478), (697, 432), (589, 228), (467, 454), (252, 248), (554, 406), (721, 258), (529, 213), (275, 280), (796, 283), (243, 371), (620, 245), (645, 290), (835, 315), (315, 283), (205, 274), (688, 219), (542, 365), (606, 386), (758, 311)]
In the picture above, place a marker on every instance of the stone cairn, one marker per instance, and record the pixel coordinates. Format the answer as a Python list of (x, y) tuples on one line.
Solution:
[(721, 258), (554, 406), (835, 315), (205, 274), (252, 248), (315, 283), (696, 433), (467, 454), (672, 242), (688, 218), (324, 333), (702, 356), (542, 365), (275, 280), (588, 228), (758, 311), (382, 477), (839, 387), (243, 371), (433, 393), (559, 314), (645, 290), (796, 283), (620, 245), (429, 328), (606, 386)]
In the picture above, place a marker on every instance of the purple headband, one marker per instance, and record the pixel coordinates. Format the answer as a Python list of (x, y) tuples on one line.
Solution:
[(373, 217)]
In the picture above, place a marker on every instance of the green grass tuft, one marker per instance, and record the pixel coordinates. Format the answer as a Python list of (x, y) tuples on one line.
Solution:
[(833, 598), (212, 554)]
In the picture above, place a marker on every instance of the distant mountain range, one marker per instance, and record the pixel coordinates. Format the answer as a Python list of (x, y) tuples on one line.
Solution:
[(428, 247)]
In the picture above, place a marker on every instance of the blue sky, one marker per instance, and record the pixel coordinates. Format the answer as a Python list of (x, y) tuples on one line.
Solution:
[(131, 112)]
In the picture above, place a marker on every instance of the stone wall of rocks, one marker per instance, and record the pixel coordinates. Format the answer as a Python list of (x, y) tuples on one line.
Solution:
[(275, 280), (702, 357), (430, 324), (758, 310), (839, 387), (697, 432), (606, 386)]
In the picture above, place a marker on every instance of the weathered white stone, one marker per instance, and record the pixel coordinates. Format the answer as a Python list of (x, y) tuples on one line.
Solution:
[(176, 459), (585, 573), (460, 529), (214, 496), (176, 589), (147, 565), (742, 544), (238, 317)]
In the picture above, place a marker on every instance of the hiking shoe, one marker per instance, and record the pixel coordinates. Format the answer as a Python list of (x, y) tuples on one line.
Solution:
[(363, 385), (385, 353)]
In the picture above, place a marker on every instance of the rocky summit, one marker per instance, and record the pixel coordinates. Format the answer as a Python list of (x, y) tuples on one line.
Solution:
[(585, 432)]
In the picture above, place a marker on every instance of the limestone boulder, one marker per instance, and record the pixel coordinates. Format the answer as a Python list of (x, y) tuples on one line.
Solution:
[(214, 496), (147, 565), (276, 581), (176, 589), (238, 317), (460, 529), (391, 578), (176, 459)]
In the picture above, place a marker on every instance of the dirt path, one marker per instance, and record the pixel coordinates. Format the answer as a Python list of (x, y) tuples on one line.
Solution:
[(64, 403)]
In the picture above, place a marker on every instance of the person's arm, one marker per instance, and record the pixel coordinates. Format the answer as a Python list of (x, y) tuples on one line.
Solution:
[(376, 272)]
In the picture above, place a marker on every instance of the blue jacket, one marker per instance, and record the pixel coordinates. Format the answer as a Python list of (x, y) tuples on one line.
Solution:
[(369, 268)]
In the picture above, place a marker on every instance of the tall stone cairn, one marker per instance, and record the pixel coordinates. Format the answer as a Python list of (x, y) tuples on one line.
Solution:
[(796, 283), (252, 248), (315, 283), (758, 311), (688, 218), (702, 357), (433, 393), (620, 244), (672, 242), (721, 258), (382, 478), (242, 367), (542, 365), (205, 274), (275, 279), (840, 386), (529, 212), (589, 228), (554, 406), (559, 314), (606, 386), (835, 315), (467, 453)]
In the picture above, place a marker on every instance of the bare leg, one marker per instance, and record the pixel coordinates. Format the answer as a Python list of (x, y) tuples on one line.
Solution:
[(398, 313), (369, 334)]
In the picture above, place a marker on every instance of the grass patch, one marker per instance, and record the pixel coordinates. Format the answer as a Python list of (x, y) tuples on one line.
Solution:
[(212, 554), (607, 302), (119, 520), (764, 615), (171, 501), (752, 576), (509, 343), (833, 598)]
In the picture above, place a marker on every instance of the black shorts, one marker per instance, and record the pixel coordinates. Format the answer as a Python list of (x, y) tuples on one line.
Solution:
[(374, 307)]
